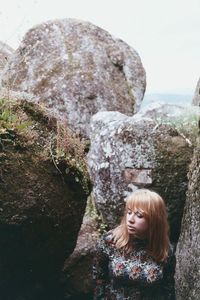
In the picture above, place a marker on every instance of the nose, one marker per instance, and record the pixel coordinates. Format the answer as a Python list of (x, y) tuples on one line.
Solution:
[(132, 218)]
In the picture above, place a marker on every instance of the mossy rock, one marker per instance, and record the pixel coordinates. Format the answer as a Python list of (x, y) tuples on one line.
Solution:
[(41, 205)]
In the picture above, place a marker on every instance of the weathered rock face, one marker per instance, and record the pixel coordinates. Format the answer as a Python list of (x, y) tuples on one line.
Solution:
[(188, 249), (5, 53), (196, 98), (183, 118), (131, 152), (77, 277), (41, 207), (77, 69)]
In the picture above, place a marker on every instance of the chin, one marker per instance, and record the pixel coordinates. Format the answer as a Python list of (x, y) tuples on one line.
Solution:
[(130, 232)]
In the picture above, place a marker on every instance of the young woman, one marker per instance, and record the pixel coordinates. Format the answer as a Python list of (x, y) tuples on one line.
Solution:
[(135, 260)]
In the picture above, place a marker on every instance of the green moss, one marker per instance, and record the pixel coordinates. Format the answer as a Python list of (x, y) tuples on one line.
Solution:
[(25, 126)]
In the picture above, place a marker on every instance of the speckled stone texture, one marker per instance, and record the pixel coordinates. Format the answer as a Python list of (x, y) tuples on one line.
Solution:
[(188, 248), (76, 69)]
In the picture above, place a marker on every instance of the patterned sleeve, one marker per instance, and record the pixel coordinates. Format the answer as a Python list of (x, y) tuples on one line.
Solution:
[(100, 268), (168, 278)]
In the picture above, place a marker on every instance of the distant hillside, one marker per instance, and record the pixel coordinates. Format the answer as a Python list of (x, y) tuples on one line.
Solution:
[(178, 99)]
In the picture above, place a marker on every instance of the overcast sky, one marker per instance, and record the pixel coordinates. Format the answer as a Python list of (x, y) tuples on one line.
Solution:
[(165, 33)]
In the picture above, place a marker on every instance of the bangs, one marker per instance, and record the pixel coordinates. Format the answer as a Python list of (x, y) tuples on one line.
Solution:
[(138, 202)]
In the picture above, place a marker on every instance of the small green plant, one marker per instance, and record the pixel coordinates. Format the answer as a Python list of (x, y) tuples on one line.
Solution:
[(91, 210), (103, 228), (7, 118), (10, 122), (93, 213)]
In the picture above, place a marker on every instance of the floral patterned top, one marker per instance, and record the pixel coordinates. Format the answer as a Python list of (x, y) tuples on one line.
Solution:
[(131, 276)]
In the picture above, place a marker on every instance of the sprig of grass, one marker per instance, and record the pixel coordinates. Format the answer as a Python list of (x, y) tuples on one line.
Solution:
[(9, 120), (71, 148)]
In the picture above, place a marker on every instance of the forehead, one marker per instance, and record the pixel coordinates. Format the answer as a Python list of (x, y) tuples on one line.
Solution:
[(135, 203), (135, 208)]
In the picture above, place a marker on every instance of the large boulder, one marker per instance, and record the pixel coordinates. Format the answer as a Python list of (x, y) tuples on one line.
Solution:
[(196, 98), (188, 248), (76, 69), (43, 197), (131, 152), (5, 53), (77, 272)]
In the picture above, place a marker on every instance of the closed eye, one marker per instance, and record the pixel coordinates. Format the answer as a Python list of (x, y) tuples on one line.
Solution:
[(139, 214)]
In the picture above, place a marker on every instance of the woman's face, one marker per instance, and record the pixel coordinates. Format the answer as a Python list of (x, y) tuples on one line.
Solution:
[(136, 222)]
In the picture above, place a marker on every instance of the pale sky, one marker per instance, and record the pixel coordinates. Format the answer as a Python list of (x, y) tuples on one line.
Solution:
[(165, 33)]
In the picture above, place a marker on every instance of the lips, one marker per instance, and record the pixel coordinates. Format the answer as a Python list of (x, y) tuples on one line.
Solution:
[(131, 228)]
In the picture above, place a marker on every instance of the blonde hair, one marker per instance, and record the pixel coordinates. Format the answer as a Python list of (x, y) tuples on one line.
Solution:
[(154, 211)]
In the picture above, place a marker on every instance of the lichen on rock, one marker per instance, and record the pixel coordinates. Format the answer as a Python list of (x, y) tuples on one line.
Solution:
[(76, 69), (188, 248)]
